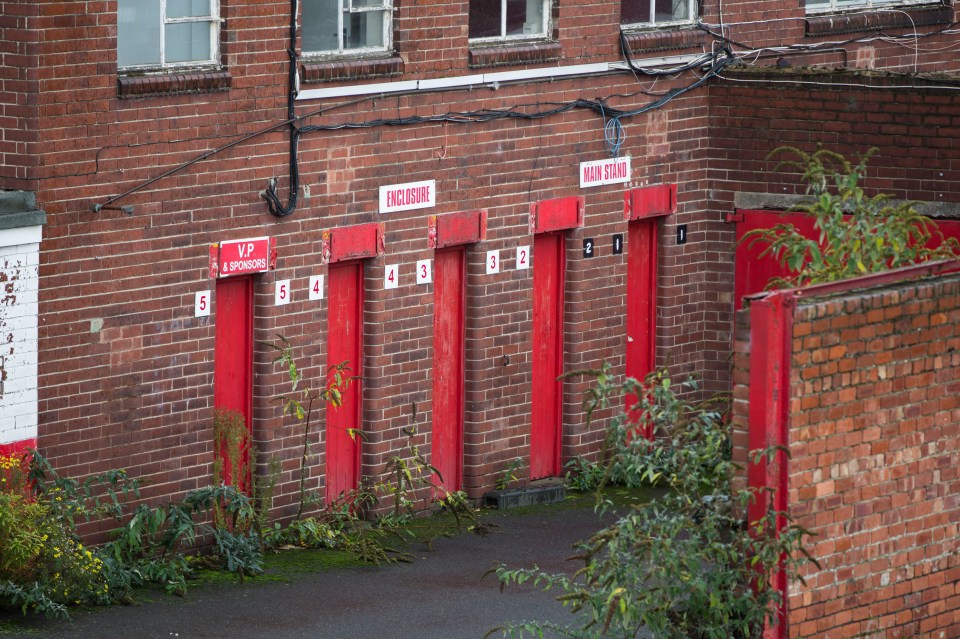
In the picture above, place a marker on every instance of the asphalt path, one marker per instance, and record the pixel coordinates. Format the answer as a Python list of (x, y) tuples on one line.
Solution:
[(441, 595)]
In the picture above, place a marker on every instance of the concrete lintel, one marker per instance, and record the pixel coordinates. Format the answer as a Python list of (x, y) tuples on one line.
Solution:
[(18, 209), (784, 202)]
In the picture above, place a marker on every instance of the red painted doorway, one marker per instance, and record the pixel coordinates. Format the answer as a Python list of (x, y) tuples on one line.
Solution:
[(233, 362), (549, 271), (449, 308), (641, 301), (345, 344)]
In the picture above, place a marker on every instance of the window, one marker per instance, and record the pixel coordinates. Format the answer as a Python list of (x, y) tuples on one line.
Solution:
[(343, 26), (816, 6), (502, 19), (160, 33), (656, 12)]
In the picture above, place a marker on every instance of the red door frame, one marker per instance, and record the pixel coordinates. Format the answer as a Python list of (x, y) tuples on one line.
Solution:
[(345, 344), (233, 360), (548, 221), (643, 208), (344, 249), (448, 235), (449, 339)]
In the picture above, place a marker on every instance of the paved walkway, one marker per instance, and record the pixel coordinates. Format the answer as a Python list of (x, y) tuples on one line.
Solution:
[(439, 596)]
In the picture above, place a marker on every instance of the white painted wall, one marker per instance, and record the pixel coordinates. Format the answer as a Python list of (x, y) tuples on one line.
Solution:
[(19, 286)]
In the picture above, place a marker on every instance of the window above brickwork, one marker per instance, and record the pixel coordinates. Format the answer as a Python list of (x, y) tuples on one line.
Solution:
[(835, 6), (346, 27), (497, 21), (162, 34), (657, 13)]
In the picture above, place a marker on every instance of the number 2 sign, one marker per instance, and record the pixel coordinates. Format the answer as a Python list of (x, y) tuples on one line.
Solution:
[(493, 262), (391, 276), (523, 257), (424, 272)]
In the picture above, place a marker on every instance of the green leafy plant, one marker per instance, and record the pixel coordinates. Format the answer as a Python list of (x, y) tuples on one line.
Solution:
[(856, 234), (509, 474), (300, 402), (684, 565)]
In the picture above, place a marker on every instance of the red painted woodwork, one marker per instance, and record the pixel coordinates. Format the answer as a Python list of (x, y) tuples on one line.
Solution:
[(449, 311), (549, 269), (14, 448), (454, 229), (650, 201), (641, 301), (233, 359), (351, 243), (555, 215), (752, 272), (345, 344)]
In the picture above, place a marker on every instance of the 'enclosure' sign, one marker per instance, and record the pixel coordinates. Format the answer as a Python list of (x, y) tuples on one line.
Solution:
[(240, 257), (600, 172), (406, 197)]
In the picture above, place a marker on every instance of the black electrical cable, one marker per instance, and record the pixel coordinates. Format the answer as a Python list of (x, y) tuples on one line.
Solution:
[(274, 204)]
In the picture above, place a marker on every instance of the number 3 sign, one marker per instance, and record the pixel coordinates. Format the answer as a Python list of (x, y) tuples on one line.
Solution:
[(424, 272), (493, 262)]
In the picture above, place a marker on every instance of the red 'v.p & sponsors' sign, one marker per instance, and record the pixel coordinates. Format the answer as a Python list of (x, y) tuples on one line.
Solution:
[(241, 257)]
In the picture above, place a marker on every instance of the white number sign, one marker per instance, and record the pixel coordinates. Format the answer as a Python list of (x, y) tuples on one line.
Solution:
[(281, 294), (424, 272), (391, 276), (493, 262), (201, 304), (523, 257), (316, 287)]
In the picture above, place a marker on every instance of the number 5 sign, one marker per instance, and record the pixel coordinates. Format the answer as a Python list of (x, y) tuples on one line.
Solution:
[(424, 272), (201, 304), (281, 294)]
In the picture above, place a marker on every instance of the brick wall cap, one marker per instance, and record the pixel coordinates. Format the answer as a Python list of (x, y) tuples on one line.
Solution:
[(18, 209)]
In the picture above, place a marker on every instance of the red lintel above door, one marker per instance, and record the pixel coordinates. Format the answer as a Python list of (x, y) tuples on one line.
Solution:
[(352, 243), (650, 201), (556, 215), (453, 229)]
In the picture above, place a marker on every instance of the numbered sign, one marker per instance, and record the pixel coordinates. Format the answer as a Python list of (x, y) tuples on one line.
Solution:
[(589, 248), (424, 272), (316, 287), (618, 244), (523, 257), (281, 294), (201, 304), (391, 276), (682, 234), (493, 262)]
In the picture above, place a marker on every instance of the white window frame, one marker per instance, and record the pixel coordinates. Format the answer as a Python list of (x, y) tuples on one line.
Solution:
[(546, 8), (346, 6), (839, 6), (215, 21), (691, 17)]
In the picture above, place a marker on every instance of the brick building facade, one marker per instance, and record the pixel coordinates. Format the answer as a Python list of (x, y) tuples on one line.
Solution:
[(133, 142)]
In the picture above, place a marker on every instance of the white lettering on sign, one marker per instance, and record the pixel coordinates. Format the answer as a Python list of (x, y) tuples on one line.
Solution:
[(244, 256), (391, 276), (600, 172), (493, 262), (201, 304), (316, 287), (281, 294), (424, 272), (523, 257), (406, 197)]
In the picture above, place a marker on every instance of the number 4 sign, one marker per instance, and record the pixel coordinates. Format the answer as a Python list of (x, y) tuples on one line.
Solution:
[(316, 287), (493, 262), (391, 276), (424, 272)]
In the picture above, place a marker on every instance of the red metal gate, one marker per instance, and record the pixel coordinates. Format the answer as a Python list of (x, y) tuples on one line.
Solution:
[(233, 360), (345, 344), (549, 269), (449, 308), (641, 300)]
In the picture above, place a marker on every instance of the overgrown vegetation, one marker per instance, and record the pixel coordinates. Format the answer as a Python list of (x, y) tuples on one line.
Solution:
[(856, 234), (684, 565)]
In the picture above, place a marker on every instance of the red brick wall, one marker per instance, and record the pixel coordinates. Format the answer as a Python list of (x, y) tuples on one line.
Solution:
[(126, 371), (873, 436), (19, 57)]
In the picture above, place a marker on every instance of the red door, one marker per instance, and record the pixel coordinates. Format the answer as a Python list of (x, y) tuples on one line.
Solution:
[(449, 308), (345, 344), (548, 284), (233, 359), (641, 300)]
